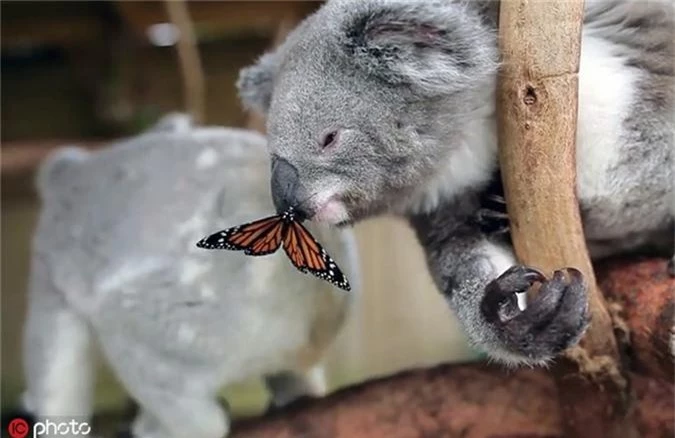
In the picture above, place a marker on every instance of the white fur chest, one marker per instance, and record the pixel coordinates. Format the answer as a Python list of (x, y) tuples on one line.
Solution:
[(606, 91)]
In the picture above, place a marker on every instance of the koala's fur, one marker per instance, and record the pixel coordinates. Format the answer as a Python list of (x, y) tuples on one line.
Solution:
[(409, 89), (114, 260)]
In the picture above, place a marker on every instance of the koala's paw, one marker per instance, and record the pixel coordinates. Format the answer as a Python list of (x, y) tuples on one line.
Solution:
[(553, 320)]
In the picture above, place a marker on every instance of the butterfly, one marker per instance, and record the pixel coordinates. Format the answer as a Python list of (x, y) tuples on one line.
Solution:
[(266, 235)]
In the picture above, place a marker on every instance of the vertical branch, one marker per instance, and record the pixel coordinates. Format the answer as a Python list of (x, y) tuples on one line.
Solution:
[(540, 46), (188, 57)]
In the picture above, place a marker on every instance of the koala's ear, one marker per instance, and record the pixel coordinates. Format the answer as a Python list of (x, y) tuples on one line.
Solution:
[(256, 83), (434, 47)]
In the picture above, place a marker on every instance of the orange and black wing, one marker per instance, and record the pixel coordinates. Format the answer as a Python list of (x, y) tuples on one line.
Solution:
[(256, 238), (308, 256)]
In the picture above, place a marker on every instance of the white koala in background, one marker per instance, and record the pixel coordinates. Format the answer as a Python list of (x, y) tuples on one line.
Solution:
[(114, 260)]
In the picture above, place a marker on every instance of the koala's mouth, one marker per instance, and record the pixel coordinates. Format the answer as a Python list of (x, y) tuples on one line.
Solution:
[(344, 209), (332, 211)]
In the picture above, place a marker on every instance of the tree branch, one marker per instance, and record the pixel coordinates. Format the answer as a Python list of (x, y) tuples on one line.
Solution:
[(188, 57), (641, 295), (540, 45)]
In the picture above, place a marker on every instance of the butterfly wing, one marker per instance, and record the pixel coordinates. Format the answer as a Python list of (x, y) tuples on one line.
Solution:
[(256, 238), (308, 255)]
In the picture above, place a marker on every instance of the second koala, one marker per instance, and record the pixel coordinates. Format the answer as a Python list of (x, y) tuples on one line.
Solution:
[(115, 263)]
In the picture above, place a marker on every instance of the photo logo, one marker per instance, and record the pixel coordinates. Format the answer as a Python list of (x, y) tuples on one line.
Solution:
[(18, 428)]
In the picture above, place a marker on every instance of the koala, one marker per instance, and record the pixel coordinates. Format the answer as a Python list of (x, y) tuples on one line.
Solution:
[(114, 261), (388, 107)]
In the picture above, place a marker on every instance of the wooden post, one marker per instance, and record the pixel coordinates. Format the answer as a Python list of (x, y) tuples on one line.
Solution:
[(194, 83), (540, 46)]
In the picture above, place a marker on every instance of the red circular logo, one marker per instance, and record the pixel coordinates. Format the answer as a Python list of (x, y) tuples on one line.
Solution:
[(18, 428)]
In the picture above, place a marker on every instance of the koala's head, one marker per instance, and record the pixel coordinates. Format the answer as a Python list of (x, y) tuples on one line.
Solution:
[(363, 100)]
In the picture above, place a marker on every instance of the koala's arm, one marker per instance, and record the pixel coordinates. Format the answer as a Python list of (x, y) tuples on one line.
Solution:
[(479, 278)]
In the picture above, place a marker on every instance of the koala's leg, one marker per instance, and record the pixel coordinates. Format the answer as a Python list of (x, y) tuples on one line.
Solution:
[(175, 400), (482, 284), (169, 413), (288, 386), (146, 425), (58, 364)]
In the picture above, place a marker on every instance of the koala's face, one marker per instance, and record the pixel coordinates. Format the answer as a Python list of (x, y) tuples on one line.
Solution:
[(356, 102), (349, 141)]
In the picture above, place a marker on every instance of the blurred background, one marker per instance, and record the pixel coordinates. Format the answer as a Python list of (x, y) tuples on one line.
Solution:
[(89, 72)]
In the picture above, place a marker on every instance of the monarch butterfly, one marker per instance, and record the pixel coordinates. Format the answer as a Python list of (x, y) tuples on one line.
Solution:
[(266, 235)]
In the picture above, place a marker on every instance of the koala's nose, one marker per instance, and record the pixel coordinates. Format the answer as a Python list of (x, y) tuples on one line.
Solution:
[(287, 191)]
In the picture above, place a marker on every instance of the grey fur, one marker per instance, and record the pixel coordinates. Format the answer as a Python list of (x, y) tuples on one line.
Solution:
[(114, 259), (409, 88), (255, 83)]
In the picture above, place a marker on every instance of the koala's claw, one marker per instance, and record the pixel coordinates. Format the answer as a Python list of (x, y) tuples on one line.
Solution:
[(492, 221), (554, 319), (485, 215), (498, 199)]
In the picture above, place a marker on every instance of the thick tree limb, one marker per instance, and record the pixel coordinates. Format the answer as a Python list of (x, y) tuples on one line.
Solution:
[(461, 401), (641, 295), (540, 45), (464, 401), (479, 401), (470, 401)]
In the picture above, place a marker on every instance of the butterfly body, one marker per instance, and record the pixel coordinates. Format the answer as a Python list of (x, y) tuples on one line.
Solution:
[(265, 236)]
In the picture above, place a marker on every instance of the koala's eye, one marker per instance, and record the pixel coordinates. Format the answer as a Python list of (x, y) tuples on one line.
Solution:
[(329, 139)]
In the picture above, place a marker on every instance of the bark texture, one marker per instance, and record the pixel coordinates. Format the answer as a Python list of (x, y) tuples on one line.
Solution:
[(540, 47), (641, 295), (467, 401)]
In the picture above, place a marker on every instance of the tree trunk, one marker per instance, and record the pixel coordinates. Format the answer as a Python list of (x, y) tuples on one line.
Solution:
[(540, 46)]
